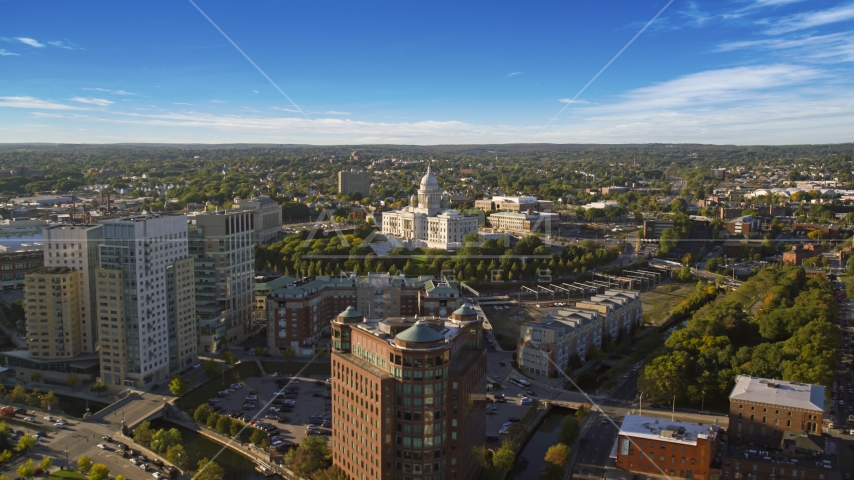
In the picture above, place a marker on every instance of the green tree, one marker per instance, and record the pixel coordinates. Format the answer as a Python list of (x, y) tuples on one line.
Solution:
[(213, 419), (178, 386), (99, 471), (212, 368), (223, 424), (143, 434), (311, 456), (27, 469), (202, 413), (262, 351), (25, 443), (177, 455), (504, 457), (257, 437), (84, 463), (99, 387), (46, 463), (289, 353), (50, 400), (209, 471), (73, 381), (36, 376), (5, 456), (228, 357), (667, 240), (569, 430), (163, 439)]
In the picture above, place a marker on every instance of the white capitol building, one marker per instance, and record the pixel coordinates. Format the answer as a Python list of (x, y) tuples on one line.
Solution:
[(427, 222)]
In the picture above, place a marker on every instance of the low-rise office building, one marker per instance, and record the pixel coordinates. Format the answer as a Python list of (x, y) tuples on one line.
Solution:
[(17, 261), (514, 204), (266, 218), (524, 222), (768, 408), (674, 449)]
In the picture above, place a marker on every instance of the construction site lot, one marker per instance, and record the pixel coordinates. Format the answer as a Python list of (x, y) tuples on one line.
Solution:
[(506, 321), (661, 300)]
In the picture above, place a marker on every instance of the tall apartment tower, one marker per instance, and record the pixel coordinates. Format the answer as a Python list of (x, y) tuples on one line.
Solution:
[(221, 245), (76, 247), (354, 181), (52, 296), (266, 220), (146, 309), (407, 396)]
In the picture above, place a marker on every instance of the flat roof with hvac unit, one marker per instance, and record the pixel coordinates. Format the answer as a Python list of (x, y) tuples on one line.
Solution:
[(802, 396)]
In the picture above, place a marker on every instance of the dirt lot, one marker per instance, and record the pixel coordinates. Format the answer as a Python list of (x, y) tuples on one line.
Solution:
[(658, 302)]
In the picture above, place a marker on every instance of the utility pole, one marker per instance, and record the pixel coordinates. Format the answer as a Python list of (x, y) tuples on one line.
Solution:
[(640, 410), (703, 401)]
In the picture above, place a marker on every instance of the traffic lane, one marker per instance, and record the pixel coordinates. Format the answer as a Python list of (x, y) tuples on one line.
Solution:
[(117, 464), (626, 390), (597, 441)]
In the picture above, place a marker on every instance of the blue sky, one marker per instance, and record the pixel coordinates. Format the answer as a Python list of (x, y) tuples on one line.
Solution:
[(723, 71)]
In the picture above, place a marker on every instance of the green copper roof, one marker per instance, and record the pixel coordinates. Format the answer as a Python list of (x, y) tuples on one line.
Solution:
[(350, 312), (465, 311), (419, 333)]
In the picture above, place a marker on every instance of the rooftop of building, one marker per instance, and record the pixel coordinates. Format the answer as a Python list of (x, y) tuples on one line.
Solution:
[(52, 271), (808, 451), (665, 430), (803, 396)]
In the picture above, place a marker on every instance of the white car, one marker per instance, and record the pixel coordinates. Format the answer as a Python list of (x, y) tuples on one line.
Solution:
[(236, 386), (49, 418), (157, 475), (58, 425), (102, 446)]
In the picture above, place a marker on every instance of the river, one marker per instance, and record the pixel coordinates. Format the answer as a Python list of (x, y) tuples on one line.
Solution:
[(236, 466), (529, 463)]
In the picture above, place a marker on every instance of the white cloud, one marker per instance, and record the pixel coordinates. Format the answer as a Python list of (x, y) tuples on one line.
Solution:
[(114, 92), (100, 102), (216, 101), (286, 109), (181, 103), (512, 74), (31, 42), (831, 48), (804, 20), (32, 102), (330, 112), (64, 44), (715, 87), (4, 53), (254, 91), (770, 3), (569, 100)]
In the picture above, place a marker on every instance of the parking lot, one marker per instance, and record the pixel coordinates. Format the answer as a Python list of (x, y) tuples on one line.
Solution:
[(504, 413), (289, 407)]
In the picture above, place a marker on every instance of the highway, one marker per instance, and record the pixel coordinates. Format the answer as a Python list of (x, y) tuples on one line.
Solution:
[(678, 185)]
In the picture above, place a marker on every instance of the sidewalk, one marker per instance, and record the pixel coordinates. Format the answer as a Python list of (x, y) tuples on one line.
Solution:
[(81, 392)]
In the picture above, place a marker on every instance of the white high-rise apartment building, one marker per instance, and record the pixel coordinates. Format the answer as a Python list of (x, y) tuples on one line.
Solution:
[(76, 247), (145, 295)]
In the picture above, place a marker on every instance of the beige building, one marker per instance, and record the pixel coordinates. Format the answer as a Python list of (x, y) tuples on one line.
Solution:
[(76, 247), (546, 345), (523, 222), (266, 219), (762, 407), (354, 181), (52, 296), (514, 204)]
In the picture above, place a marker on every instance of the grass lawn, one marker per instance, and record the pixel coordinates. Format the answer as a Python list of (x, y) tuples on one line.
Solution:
[(658, 302), (209, 389), (293, 366), (66, 474)]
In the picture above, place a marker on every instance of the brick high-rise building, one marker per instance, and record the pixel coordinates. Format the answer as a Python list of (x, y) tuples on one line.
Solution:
[(407, 396)]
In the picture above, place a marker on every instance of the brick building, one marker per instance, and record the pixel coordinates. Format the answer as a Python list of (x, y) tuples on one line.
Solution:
[(662, 447), (297, 313), (17, 262), (799, 253), (407, 396), (767, 408)]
